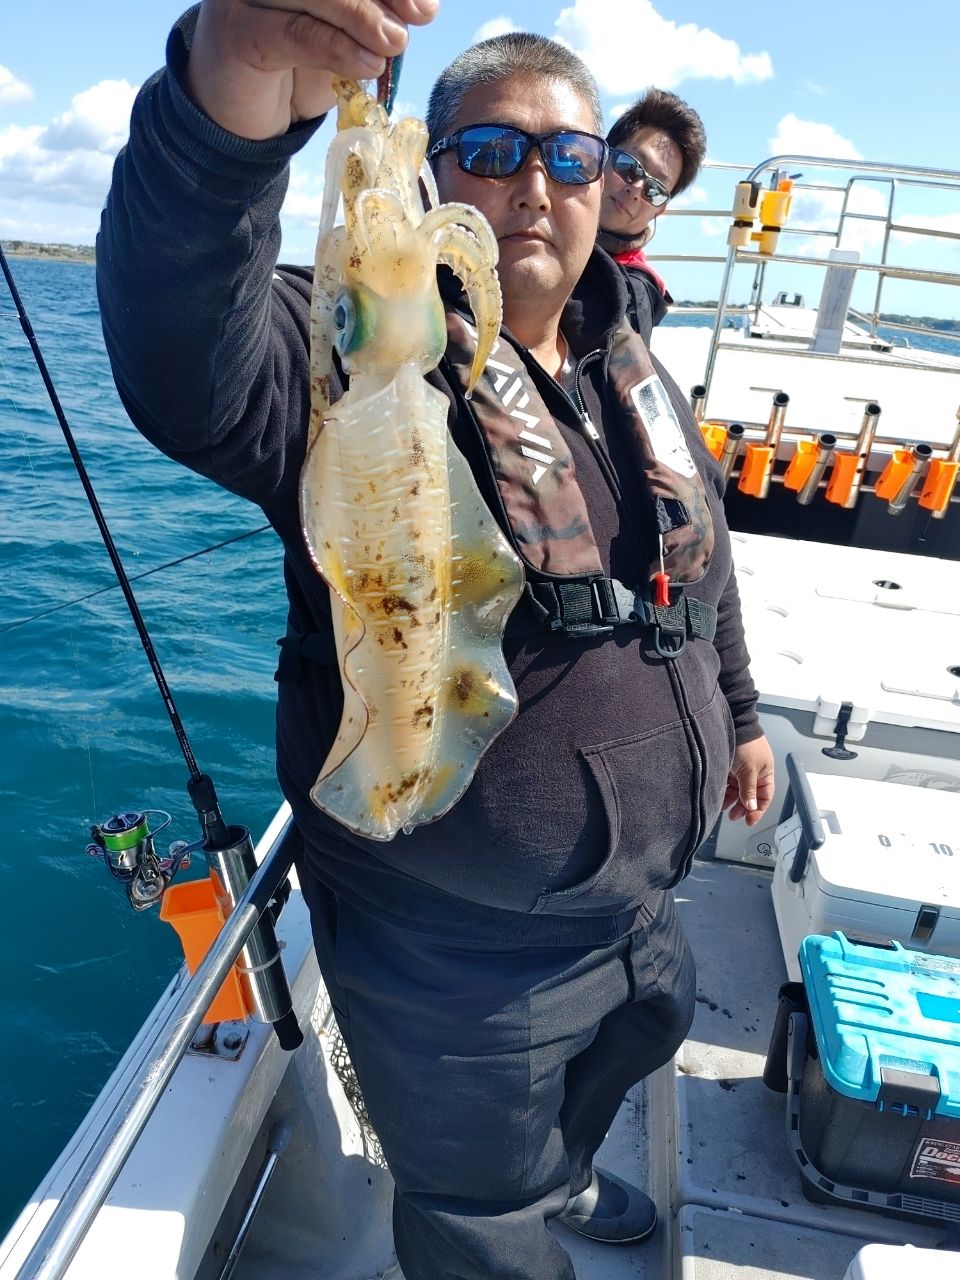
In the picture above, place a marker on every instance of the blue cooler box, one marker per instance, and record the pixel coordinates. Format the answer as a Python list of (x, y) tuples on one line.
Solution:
[(874, 1078)]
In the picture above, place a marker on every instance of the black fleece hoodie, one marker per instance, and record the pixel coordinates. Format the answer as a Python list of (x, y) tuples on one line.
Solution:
[(613, 771)]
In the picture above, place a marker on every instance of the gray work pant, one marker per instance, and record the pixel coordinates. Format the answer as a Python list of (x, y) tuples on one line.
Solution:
[(492, 1072)]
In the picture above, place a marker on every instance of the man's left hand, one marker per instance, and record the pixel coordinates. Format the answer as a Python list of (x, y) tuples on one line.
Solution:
[(750, 784)]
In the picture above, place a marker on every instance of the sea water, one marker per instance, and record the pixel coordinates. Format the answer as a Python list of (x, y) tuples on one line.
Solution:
[(83, 731)]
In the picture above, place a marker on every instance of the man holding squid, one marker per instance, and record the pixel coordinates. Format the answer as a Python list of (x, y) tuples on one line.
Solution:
[(504, 974)]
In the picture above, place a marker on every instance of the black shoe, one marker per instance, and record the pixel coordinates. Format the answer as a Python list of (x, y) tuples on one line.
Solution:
[(611, 1211)]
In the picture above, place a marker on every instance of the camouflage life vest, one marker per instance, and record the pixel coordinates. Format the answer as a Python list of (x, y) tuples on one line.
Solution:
[(542, 506), (535, 474)]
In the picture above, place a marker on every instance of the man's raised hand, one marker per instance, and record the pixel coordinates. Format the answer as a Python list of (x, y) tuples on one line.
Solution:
[(259, 66)]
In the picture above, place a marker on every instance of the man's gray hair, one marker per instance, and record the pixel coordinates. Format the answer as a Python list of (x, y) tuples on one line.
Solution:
[(515, 53)]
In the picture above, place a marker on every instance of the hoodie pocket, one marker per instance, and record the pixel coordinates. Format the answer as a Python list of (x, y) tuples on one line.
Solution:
[(661, 793), (645, 786)]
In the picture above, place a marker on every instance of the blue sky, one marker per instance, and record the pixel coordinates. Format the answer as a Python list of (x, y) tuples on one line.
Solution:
[(846, 78)]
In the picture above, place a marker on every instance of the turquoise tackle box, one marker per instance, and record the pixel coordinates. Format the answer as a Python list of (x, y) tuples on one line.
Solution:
[(874, 1074)]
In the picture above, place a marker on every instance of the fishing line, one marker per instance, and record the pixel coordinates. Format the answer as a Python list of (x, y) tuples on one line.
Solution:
[(68, 604), (72, 640), (200, 786)]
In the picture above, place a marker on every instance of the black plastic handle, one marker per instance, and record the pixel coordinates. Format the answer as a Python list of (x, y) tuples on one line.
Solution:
[(800, 798)]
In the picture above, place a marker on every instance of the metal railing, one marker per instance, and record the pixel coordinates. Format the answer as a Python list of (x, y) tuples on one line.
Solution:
[(92, 1181), (897, 178)]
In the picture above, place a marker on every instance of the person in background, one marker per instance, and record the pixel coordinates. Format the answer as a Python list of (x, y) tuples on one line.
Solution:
[(503, 975), (656, 150)]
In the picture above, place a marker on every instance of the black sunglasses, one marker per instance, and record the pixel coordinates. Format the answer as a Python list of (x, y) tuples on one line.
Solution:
[(629, 170), (499, 150)]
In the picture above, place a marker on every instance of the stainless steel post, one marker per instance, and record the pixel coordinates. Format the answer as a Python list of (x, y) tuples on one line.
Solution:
[(771, 440), (698, 397), (826, 443), (731, 448), (260, 969), (868, 429), (920, 454)]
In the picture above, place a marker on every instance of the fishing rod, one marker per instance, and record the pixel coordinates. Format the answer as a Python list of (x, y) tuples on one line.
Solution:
[(124, 842)]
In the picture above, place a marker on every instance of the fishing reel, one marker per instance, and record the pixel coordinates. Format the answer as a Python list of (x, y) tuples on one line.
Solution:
[(124, 843)]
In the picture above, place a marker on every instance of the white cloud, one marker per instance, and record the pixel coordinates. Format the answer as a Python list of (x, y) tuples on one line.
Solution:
[(35, 223), (692, 196), (304, 198), (68, 161), (402, 109), (609, 33), (494, 27), (808, 138), (98, 120), (12, 89)]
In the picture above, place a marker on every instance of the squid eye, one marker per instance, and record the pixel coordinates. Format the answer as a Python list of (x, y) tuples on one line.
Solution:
[(345, 323), (354, 320)]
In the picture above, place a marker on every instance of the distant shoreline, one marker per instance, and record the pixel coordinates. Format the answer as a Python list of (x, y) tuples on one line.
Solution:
[(86, 253), (50, 252)]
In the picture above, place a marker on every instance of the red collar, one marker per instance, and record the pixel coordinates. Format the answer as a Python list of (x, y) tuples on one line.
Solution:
[(637, 258)]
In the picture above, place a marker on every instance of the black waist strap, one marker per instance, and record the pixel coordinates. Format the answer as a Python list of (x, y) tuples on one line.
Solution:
[(593, 607), (581, 607)]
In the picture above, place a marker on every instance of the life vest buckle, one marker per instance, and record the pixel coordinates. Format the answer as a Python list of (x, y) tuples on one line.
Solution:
[(667, 642)]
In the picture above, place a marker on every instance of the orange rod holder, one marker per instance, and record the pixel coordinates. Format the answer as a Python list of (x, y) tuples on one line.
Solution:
[(900, 476), (731, 447), (197, 913), (849, 468), (941, 480), (801, 464), (826, 444), (714, 437), (698, 398), (758, 462), (939, 486)]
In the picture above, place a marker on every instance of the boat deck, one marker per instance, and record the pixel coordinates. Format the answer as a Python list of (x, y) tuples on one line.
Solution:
[(704, 1136), (916, 389)]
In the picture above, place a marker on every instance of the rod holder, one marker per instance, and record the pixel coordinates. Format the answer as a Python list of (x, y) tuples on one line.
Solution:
[(941, 480), (196, 913), (778, 411), (698, 398), (758, 462), (259, 968), (826, 444), (731, 448), (900, 476), (849, 468)]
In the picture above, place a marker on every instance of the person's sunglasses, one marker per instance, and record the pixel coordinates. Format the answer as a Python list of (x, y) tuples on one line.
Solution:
[(499, 150), (629, 170)]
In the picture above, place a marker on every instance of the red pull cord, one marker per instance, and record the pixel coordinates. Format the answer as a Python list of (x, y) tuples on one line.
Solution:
[(661, 580)]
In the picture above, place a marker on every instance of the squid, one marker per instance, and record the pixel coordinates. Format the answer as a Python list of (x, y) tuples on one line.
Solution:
[(421, 578)]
